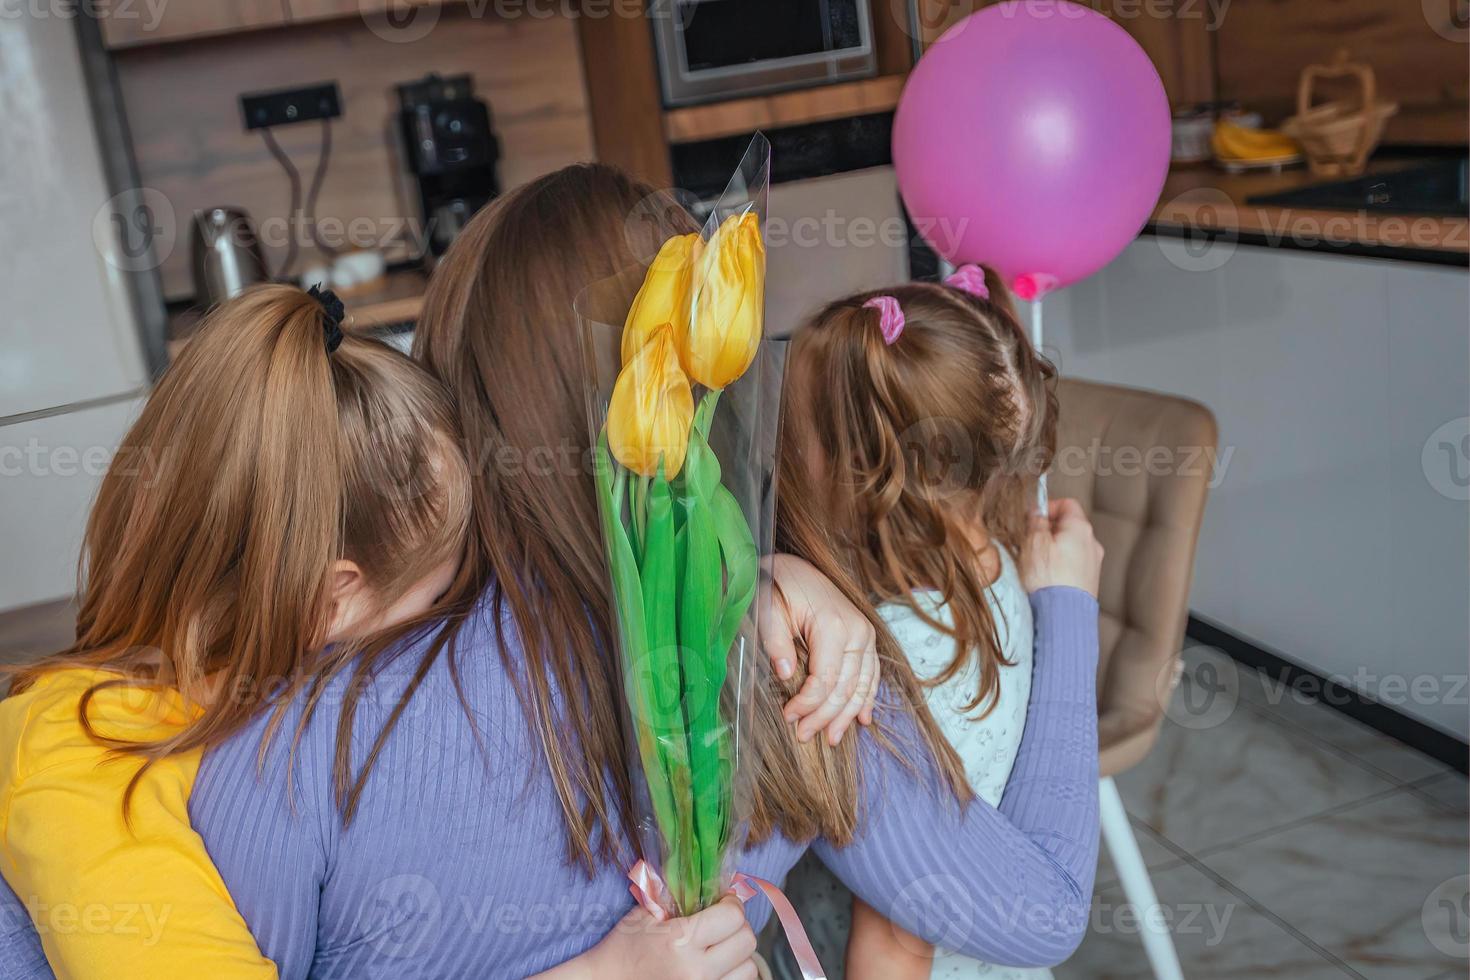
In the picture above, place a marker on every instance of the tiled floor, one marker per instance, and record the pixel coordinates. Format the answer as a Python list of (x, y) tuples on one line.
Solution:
[(1286, 840)]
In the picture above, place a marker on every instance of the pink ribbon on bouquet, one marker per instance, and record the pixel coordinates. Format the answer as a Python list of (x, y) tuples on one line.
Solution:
[(650, 892)]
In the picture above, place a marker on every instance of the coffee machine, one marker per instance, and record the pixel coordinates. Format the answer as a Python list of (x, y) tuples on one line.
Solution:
[(451, 152)]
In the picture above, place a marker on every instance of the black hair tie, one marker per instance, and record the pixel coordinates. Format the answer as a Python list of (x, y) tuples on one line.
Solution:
[(333, 311)]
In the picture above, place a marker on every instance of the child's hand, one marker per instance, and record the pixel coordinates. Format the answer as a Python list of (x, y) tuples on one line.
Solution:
[(842, 663), (1062, 550), (715, 944)]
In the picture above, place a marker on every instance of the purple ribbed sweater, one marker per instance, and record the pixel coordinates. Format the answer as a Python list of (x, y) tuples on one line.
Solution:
[(454, 867)]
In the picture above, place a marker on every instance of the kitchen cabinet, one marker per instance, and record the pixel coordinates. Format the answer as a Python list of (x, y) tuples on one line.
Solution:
[(135, 22), (795, 108), (1335, 534)]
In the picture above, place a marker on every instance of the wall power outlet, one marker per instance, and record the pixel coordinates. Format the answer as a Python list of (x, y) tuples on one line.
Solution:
[(292, 105)]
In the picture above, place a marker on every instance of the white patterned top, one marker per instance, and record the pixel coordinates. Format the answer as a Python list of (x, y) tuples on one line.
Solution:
[(987, 747)]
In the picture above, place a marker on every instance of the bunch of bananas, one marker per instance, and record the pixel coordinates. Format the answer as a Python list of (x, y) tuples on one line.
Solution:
[(1233, 142)]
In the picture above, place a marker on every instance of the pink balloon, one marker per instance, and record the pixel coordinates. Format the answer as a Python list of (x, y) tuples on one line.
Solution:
[(1033, 136)]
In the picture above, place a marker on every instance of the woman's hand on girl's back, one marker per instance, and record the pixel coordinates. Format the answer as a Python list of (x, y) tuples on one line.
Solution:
[(842, 650), (1062, 550), (716, 944)]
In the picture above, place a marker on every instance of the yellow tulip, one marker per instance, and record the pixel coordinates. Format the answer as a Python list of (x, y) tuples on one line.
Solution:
[(664, 296), (729, 303), (652, 408)]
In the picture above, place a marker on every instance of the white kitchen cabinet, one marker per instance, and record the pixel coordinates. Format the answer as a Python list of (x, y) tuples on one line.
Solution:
[(1325, 539)]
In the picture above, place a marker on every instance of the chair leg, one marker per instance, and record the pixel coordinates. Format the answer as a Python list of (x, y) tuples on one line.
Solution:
[(1133, 876)]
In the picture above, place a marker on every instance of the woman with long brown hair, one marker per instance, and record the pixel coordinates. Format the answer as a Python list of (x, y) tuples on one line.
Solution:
[(463, 810)]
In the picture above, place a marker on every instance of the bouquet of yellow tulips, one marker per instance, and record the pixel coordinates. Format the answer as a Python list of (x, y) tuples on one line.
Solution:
[(682, 404)]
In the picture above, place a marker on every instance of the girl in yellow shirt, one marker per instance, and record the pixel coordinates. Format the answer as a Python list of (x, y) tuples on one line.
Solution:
[(292, 499)]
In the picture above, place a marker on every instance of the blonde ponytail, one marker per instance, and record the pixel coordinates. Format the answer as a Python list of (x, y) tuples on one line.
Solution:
[(269, 458)]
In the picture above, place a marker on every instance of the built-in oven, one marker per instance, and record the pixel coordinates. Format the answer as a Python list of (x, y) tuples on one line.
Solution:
[(721, 49)]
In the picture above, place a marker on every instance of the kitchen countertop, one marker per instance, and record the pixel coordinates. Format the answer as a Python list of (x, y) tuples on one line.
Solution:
[(1205, 198), (396, 298), (1194, 198)]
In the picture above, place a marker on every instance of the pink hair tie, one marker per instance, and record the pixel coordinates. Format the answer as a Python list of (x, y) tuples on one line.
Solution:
[(890, 316), (971, 279)]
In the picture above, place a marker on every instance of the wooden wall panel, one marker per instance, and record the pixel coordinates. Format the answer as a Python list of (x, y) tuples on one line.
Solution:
[(183, 109), (125, 24), (1416, 48), (1174, 33), (307, 10), (893, 40), (623, 88)]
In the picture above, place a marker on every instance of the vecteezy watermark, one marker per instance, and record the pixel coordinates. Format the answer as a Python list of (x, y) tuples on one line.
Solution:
[(138, 229), (1450, 19), (1446, 459), (942, 906), (47, 460), (149, 12), (405, 916), (940, 455), (1198, 231), (656, 217), (1208, 919), (400, 21), (1099, 459), (1212, 12), (143, 921), (135, 230), (665, 703), (1445, 916), (667, 212), (1201, 696), (406, 21), (361, 232), (1207, 220), (39, 459), (43, 460), (950, 911), (943, 454), (1392, 689), (929, 20)]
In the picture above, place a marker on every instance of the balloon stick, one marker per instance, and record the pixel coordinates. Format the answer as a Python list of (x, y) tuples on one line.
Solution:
[(1041, 498)]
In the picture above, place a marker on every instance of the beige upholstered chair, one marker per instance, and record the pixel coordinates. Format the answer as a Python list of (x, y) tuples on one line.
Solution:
[(1140, 464)]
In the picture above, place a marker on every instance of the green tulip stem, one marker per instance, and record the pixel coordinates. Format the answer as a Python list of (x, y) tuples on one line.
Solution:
[(684, 573), (704, 415)]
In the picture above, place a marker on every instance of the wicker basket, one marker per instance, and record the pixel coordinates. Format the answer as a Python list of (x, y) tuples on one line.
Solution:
[(1338, 136)]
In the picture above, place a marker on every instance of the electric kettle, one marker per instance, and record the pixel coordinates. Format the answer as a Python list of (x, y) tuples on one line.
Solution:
[(227, 255)]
